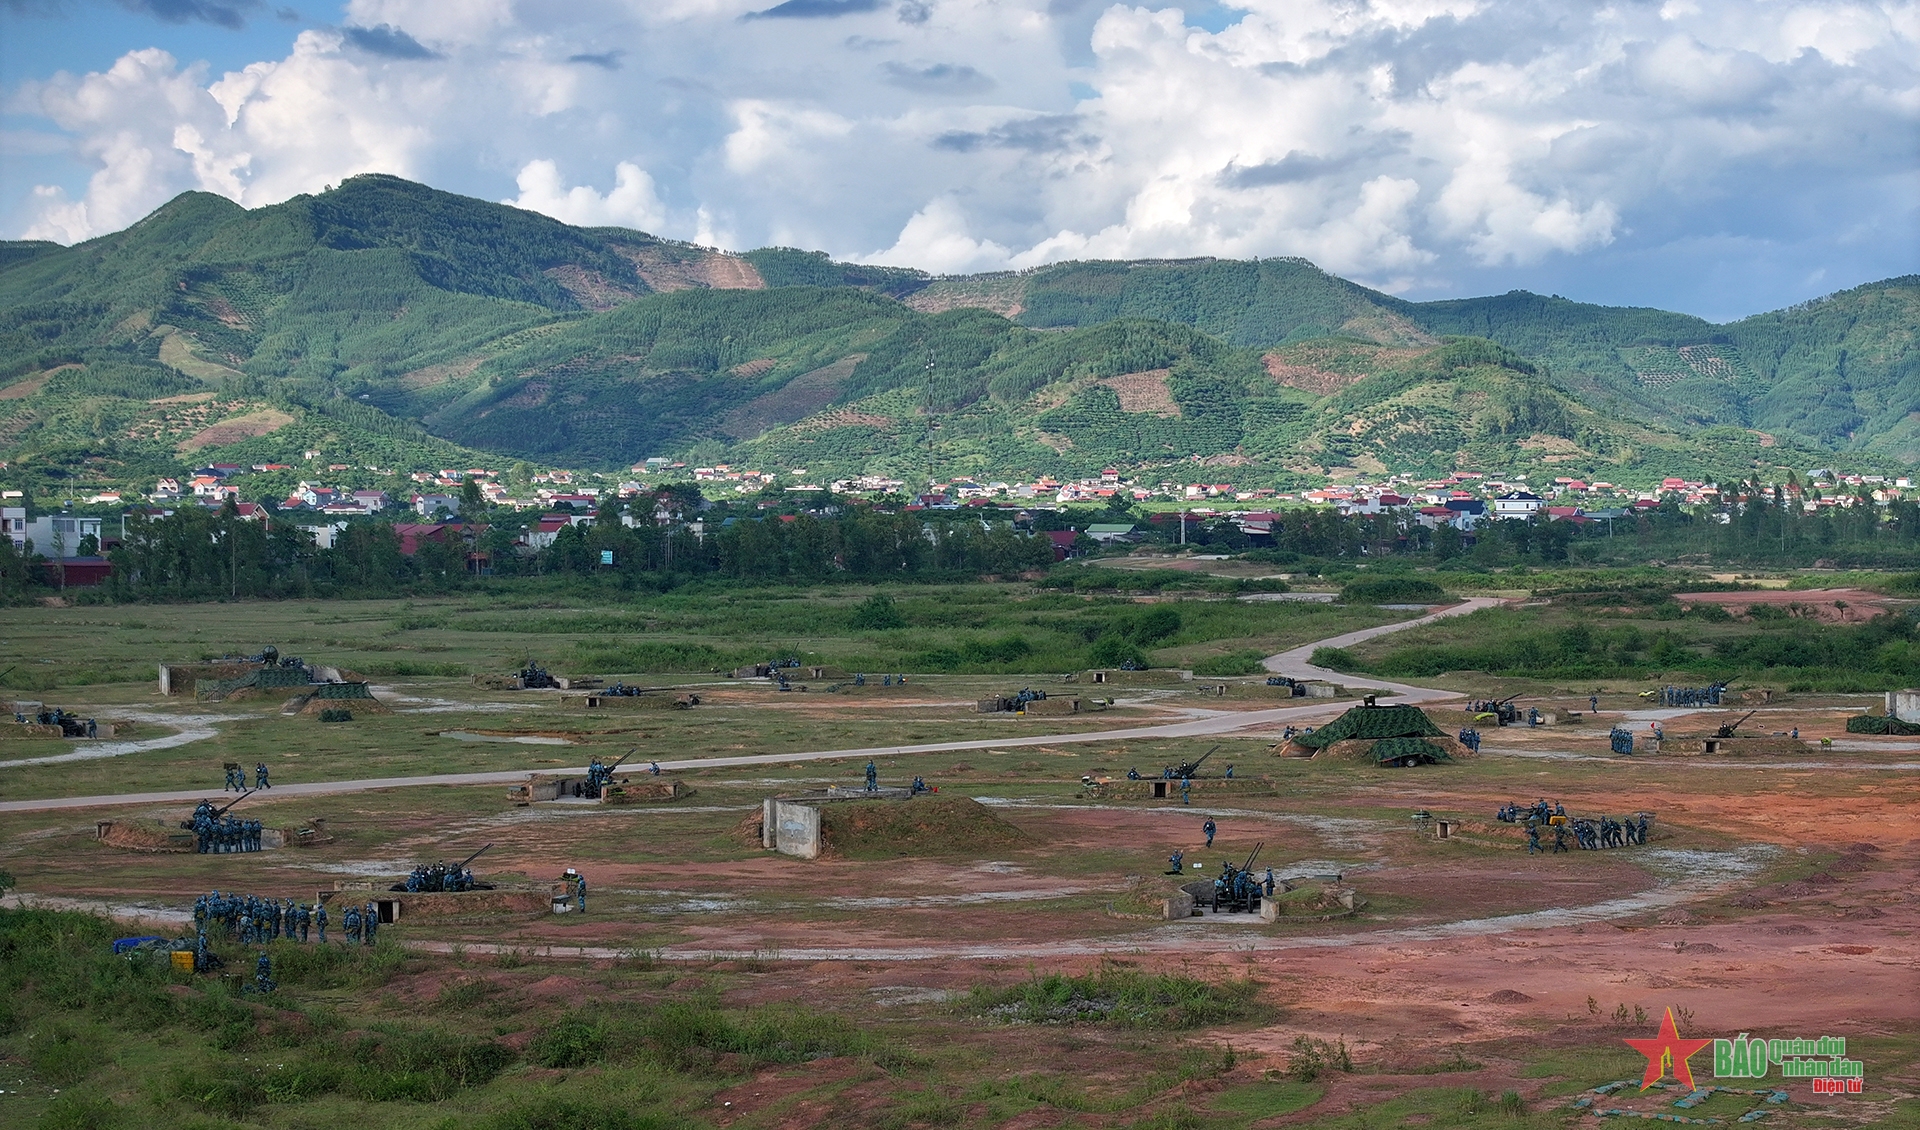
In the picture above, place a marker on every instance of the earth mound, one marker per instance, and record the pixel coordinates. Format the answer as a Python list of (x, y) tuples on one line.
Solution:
[(925, 825)]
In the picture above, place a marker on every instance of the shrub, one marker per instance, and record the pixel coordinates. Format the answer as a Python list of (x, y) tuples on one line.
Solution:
[(1232, 663), (573, 1042), (1121, 997), (877, 613), (1116, 651), (1392, 590)]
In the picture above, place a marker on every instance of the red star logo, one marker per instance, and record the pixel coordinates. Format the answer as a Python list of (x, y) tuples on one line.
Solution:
[(1667, 1051)]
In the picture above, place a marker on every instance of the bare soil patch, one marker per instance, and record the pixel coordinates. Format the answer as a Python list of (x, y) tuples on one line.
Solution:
[(260, 422), (1145, 392), (21, 389), (792, 402), (1830, 605), (591, 289)]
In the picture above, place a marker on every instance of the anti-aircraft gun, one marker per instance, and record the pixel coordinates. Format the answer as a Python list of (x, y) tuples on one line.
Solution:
[(1187, 770), (1236, 890), (213, 813), (600, 776), (438, 878), (1502, 709), (535, 677), (1727, 728)]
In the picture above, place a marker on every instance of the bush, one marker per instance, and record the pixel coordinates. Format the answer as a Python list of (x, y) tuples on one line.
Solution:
[(1232, 663), (1121, 997), (76, 1110), (1116, 651), (574, 1114), (573, 1042), (876, 614), (1392, 590)]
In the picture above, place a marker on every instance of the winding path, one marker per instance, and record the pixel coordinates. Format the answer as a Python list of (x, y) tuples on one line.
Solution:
[(1293, 663)]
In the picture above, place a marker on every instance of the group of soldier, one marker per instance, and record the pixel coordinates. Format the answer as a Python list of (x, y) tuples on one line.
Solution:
[(72, 725), (237, 778), (255, 921), (219, 835), (1470, 738), (1589, 834), (439, 877)]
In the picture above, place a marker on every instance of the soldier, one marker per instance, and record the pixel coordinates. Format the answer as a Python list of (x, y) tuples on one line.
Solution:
[(369, 922), (1174, 862), (305, 919), (1186, 790), (653, 767), (350, 922), (200, 913), (580, 889), (1533, 837), (1269, 882), (246, 929), (873, 777), (1643, 827), (1133, 774), (263, 981), (1593, 703), (260, 776), (320, 919), (1229, 772), (1207, 830), (1560, 837)]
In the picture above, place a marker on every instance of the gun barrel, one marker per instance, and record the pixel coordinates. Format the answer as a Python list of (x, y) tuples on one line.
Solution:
[(222, 810), (471, 858), (621, 758), (1248, 865)]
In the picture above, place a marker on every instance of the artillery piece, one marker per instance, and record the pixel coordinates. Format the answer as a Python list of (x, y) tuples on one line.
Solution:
[(599, 776), (439, 878), (1727, 729), (1501, 710), (1236, 890), (207, 811), (535, 677), (1188, 770)]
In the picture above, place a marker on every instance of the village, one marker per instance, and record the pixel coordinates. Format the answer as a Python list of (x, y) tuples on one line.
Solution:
[(75, 538)]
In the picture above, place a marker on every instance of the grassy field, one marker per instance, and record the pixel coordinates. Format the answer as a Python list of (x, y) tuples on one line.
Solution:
[(993, 969)]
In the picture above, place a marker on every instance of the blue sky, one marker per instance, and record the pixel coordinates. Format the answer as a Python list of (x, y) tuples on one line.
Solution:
[(1712, 156)]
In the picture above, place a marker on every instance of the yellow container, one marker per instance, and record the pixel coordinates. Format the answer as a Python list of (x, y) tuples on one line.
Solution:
[(183, 960)]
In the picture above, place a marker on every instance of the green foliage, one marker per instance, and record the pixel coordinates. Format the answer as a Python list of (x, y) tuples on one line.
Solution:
[(876, 614), (1392, 590), (1121, 997), (554, 1113), (1312, 1057), (1233, 663), (401, 325)]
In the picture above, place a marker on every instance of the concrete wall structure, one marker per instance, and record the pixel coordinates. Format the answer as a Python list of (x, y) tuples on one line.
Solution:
[(1904, 705), (790, 828)]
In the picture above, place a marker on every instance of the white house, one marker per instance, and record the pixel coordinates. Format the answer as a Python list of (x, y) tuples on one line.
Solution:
[(1517, 504)]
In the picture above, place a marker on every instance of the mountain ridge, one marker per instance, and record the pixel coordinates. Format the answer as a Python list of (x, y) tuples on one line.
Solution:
[(387, 321)]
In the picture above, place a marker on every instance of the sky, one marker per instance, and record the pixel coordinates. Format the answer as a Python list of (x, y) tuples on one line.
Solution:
[(1719, 157)]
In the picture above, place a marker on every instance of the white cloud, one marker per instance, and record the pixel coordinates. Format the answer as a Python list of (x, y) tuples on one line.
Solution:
[(632, 203), (1388, 139), (936, 239)]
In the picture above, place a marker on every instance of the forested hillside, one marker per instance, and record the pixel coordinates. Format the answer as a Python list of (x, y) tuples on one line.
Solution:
[(385, 322)]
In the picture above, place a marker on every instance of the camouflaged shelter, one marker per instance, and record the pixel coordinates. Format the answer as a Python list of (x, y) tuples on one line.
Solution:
[(1389, 735)]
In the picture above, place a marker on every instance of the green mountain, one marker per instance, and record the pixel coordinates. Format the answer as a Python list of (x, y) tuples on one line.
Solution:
[(386, 323)]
